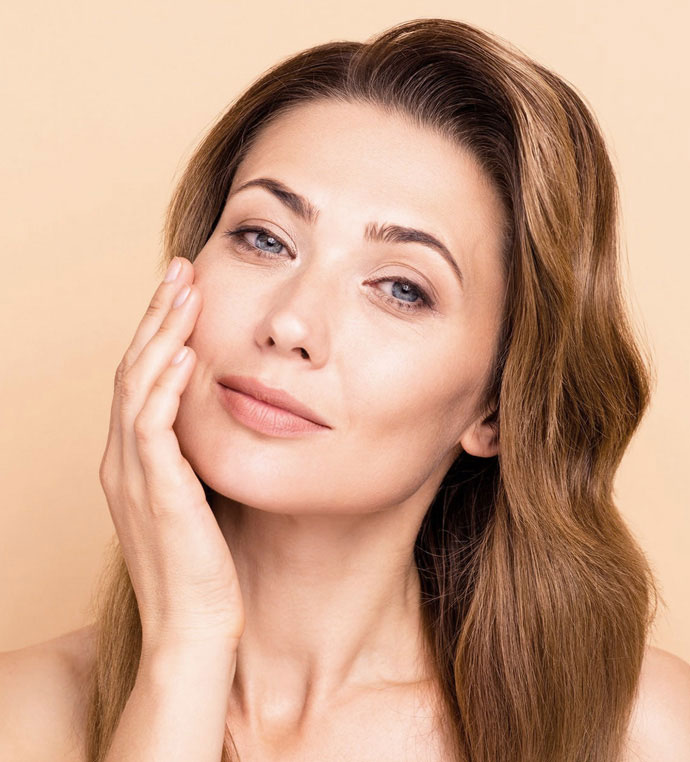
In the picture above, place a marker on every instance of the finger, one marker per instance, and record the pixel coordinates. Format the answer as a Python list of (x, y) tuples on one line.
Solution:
[(158, 353), (132, 474), (154, 361), (180, 272), (165, 472), (159, 307)]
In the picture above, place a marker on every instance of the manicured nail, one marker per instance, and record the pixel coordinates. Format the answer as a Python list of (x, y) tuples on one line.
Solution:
[(173, 270), (179, 299)]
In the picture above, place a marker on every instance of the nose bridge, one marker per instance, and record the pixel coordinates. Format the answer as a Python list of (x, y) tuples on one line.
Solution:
[(299, 310), (310, 289)]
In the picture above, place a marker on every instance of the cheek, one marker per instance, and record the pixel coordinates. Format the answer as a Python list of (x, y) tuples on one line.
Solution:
[(428, 394), (219, 321)]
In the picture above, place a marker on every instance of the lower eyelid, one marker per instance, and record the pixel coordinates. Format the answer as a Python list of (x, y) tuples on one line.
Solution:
[(238, 236), (425, 301)]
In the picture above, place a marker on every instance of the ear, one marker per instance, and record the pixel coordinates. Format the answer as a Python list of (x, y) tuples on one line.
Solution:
[(480, 439)]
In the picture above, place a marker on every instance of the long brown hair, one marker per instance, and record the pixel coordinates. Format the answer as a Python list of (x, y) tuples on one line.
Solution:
[(536, 598)]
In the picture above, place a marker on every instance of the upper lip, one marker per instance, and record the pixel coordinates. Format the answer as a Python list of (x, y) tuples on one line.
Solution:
[(275, 397)]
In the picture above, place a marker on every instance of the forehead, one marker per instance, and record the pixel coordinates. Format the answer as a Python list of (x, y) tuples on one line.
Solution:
[(360, 160)]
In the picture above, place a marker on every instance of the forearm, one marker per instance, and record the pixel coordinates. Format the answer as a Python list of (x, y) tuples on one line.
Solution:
[(178, 707)]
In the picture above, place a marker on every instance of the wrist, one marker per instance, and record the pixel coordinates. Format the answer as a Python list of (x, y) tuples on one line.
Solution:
[(176, 659)]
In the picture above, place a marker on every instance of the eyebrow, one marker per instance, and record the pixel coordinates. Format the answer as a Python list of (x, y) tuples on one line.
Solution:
[(373, 231)]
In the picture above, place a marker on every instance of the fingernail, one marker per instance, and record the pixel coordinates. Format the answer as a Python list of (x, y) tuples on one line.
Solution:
[(179, 299), (180, 356), (173, 270)]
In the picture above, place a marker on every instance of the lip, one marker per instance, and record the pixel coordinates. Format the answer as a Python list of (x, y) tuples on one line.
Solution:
[(274, 398)]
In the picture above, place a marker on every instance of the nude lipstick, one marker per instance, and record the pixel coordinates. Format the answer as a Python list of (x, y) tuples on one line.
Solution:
[(266, 410)]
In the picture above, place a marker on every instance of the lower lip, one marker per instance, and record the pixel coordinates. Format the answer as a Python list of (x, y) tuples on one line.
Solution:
[(265, 418)]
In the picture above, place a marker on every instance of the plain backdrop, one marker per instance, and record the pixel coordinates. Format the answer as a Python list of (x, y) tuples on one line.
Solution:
[(103, 103)]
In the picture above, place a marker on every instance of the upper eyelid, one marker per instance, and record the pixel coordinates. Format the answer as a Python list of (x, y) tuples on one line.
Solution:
[(426, 292), (260, 228), (303, 209), (257, 228), (249, 228)]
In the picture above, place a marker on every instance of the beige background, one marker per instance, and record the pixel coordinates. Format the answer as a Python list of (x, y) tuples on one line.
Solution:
[(102, 103)]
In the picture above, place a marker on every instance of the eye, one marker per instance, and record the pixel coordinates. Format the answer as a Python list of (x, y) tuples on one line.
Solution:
[(402, 288), (262, 237)]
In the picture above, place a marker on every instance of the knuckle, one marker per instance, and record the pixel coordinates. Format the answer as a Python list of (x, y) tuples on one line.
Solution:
[(159, 385), (109, 477), (119, 373), (166, 329), (105, 474), (143, 430), (156, 306), (126, 386)]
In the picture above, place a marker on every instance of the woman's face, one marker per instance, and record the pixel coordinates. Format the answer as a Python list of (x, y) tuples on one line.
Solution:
[(395, 370)]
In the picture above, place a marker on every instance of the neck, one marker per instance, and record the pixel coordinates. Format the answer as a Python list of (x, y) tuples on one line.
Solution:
[(332, 608)]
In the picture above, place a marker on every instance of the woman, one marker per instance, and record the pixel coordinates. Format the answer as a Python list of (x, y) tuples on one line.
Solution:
[(410, 244)]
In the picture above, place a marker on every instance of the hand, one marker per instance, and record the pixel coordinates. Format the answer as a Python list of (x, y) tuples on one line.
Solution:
[(179, 563)]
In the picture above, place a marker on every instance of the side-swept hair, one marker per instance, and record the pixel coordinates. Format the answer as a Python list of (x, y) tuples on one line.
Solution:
[(536, 598)]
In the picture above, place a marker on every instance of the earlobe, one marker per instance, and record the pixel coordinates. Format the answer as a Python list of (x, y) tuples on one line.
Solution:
[(480, 439)]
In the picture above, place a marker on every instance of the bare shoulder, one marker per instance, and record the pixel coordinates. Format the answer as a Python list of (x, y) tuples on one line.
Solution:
[(660, 725), (43, 698)]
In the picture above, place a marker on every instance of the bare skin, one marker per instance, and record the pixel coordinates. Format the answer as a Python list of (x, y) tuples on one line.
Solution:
[(42, 700), (42, 691), (320, 529)]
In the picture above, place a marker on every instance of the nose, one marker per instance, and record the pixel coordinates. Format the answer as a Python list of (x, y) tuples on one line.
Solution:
[(296, 320)]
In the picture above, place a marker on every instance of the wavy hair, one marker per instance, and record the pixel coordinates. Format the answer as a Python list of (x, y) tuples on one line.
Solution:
[(536, 599)]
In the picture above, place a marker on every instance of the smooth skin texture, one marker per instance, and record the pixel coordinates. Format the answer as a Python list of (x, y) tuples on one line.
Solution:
[(182, 573), (42, 706), (320, 528)]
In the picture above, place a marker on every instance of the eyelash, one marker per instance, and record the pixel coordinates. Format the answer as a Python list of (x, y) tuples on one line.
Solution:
[(425, 302)]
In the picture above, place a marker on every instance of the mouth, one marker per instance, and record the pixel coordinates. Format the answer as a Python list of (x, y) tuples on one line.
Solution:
[(273, 409)]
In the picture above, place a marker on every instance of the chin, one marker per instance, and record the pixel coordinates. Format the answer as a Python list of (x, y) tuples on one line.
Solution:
[(238, 481)]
